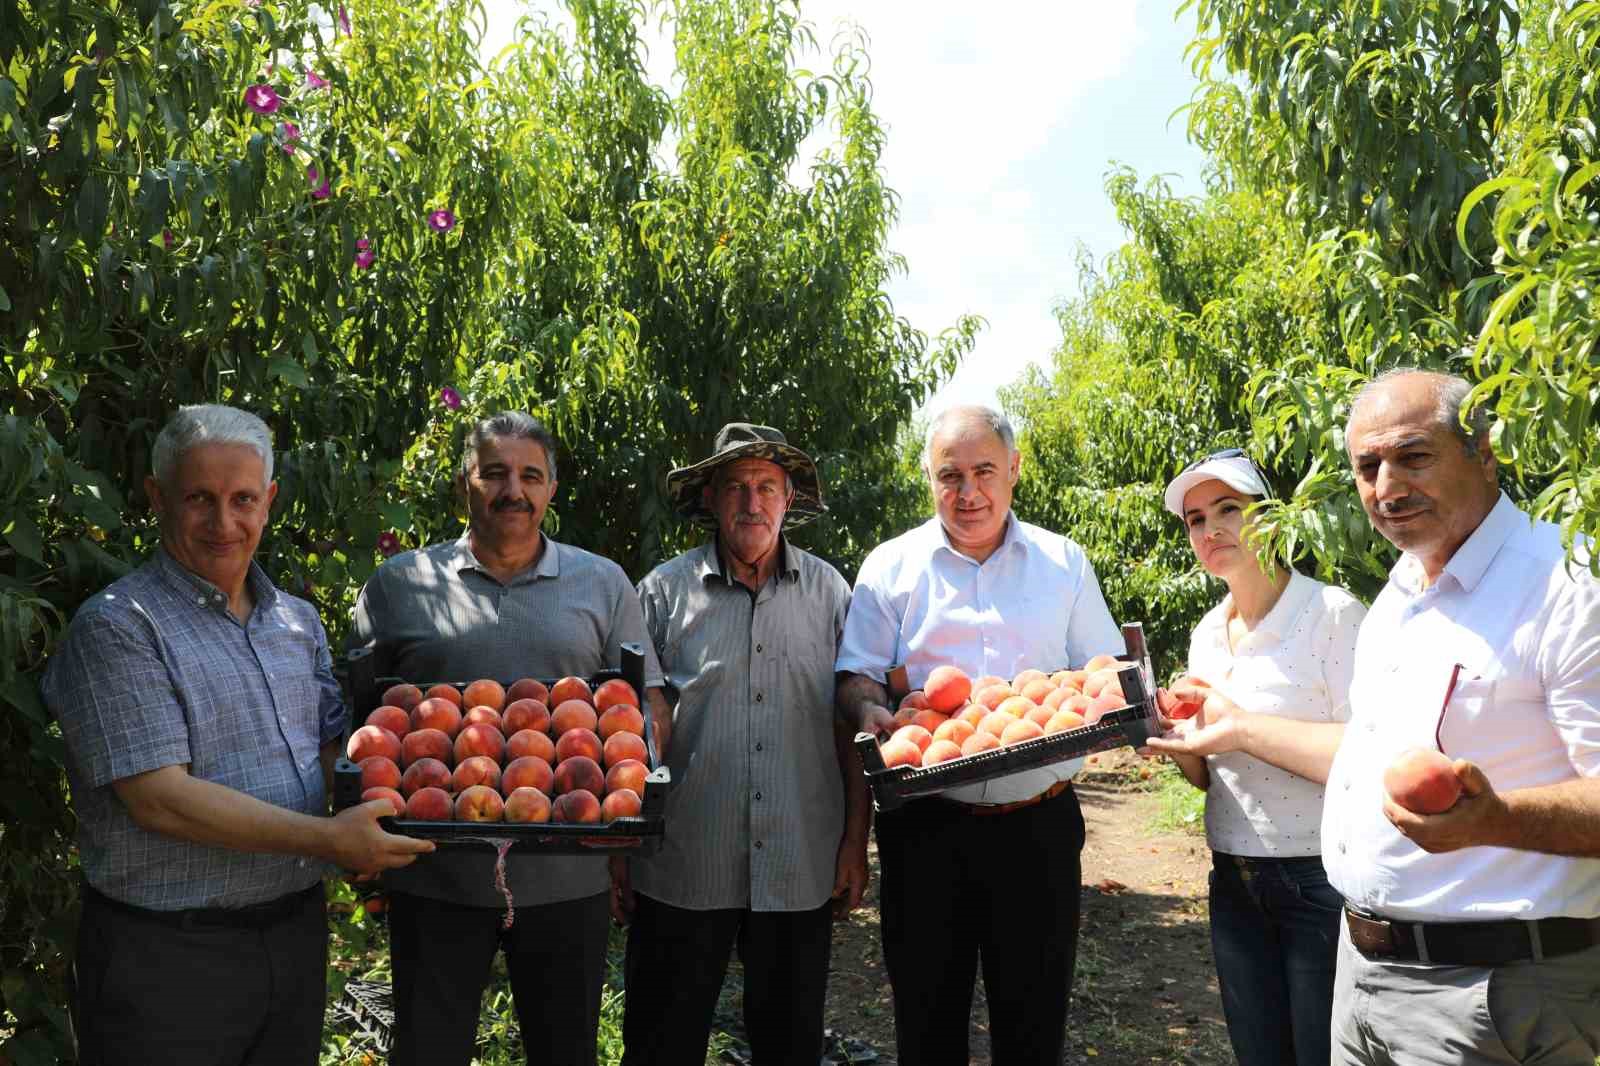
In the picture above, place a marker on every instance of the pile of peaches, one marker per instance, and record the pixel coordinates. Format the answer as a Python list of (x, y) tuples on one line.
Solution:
[(487, 753), (953, 716)]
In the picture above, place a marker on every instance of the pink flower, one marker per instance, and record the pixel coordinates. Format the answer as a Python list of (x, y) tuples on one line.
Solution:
[(315, 80), (318, 192), (262, 99), (450, 398), (363, 244), (442, 220), (365, 256), (344, 20), (388, 544)]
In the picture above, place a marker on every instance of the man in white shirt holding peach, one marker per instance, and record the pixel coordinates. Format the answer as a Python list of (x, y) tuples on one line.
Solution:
[(1472, 936)]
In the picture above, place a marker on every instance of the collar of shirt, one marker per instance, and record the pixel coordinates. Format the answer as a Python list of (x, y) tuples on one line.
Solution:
[(1275, 626), (710, 562), (1470, 561), (937, 540), (549, 564), (189, 584)]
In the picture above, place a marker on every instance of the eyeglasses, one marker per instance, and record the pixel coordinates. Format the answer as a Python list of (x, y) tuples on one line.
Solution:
[(1226, 453)]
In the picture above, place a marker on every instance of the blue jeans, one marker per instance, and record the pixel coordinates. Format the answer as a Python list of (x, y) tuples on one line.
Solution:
[(1275, 936)]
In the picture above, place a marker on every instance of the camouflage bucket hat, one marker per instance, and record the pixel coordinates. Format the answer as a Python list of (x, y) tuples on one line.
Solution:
[(743, 440)]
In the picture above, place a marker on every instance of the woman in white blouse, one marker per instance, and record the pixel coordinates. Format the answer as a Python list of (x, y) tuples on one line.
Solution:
[(1270, 666)]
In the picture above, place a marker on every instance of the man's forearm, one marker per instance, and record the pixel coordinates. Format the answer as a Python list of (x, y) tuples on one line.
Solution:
[(660, 720), (857, 799), (1561, 819), (853, 697), (328, 755), (171, 802)]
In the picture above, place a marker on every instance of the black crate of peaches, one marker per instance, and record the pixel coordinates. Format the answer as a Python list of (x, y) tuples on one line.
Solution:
[(959, 731), (562, 765)]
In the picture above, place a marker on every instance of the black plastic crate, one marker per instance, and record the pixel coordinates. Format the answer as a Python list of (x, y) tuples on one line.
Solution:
[(642, 833)]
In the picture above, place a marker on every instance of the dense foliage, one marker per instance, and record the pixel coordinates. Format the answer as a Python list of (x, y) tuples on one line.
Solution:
[(343, 218)]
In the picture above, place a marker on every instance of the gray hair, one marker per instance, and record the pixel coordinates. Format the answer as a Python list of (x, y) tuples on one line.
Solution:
[(209, 423), (516, 425), (997, 423), (1450, 392)]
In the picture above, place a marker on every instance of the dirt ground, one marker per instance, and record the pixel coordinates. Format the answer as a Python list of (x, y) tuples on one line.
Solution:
[(1146, 990)]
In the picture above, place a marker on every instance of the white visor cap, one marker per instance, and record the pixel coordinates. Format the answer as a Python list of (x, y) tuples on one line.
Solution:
[(1236, 472)]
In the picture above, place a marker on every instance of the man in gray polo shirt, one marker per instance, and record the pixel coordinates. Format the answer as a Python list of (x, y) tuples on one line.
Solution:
[(503, 601), (201, 719), (768, 818)]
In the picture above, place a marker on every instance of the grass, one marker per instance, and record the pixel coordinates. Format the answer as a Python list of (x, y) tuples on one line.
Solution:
[(1182, 807)]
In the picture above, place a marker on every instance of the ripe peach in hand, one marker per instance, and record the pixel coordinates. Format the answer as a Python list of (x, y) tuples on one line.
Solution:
[(947, 688), (530, 771), (430, 804), (981, 742), (610, 693), (479, 803), (395, 719), (424, 773), (573, 714), (570, 688), (621, 718), (397, 801), (576, 742), (404, 697), (580, 772), (897, 752), (434, 713), (629, 774), (530, 742), (372, 740), (483, 714), (1422, 781), (620, 804), (377, 771), (914, 734), (426, 744), (445, 692), (1174, 708), (525, 714), (527, 804), (941, 751), (1021, 730), (956, 730), (475, 770), (527, 689), (992, 696), (620, 747), (929, 720), (484, 693), (579, 805)]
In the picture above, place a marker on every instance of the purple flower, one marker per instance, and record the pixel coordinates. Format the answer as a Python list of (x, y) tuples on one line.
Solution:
[(167, 240), (315, 80), (364, 254), (318, 191), (442, 220), (450, 398), (262, 99), (363, 244), (388, 544), (291, 132), (344, 20)]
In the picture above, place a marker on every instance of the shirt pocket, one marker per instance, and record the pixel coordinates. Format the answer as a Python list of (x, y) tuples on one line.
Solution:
[(1465, 715)]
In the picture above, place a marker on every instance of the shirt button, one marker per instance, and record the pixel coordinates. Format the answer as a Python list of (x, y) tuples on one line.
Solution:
[(199, 601), (758, 795), (758, 745), (758, 697), (758, 647), (758, 845), (1341, 847)]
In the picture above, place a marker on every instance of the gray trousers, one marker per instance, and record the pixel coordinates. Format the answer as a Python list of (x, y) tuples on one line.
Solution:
[(1412, 1014)]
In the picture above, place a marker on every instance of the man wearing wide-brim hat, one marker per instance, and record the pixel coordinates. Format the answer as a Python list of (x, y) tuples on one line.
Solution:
[(768, 814)]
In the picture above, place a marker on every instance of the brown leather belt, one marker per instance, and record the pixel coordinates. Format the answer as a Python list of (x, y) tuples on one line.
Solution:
[(1470, 943), (986, 809)]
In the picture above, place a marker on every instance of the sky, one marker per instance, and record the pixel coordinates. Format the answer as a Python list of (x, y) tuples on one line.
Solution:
[(1001, 125)]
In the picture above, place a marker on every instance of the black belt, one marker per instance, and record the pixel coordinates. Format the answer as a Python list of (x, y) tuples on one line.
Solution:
[(1470, 943), (251, 916)]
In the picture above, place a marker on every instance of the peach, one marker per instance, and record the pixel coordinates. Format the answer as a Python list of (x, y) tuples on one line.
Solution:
[(1020, 730), (995, 722), (929, 720), (905, 715), (610, 693), (527, 689), (1016, 706), (573, 714), (628, 774), (1422, 781), (979, 742), (1028, 677), (1103, 705), (1037, 689), (898, 752), (1060, 677), (435, 713), (484, 692), (445, 692), (424, 773), (624, 803), (397, 801), (426, 744), (1062, 721), (483, 714), (576, 742), (916, 699), (941, 751), (395, 719), (379, 772), (914, 734), (570, 688), (372, 740), (1174, 708), (479, 803), (530, 771), (1101, 662), (973, 713), (480, 739), (531, 742), (579, 805), (1101, 680), (527, 804), (947, 688), (430, 804), (1077, 703), (404, 697), (475, 770), (956, 730), (1057, 697), (580, 772), (1074, 679), (988, 679), (525, 714), (1040, 716), (621, 718), (623, 746), (992, 696)]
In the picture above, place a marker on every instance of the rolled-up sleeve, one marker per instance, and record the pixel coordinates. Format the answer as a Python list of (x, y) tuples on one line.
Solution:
[(871, 626), (1091, 630), (332, 714), (1570, 665)]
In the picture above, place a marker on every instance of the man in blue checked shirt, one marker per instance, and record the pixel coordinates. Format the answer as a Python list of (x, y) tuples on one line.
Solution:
[(201, 720)]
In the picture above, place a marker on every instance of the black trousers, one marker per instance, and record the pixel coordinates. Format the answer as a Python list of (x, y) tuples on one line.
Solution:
[(442, 952), (201, 987), (677, 959), (959, 889)]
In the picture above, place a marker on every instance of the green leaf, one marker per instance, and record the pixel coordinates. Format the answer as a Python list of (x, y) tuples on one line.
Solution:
[(288, 370), (23, 536)]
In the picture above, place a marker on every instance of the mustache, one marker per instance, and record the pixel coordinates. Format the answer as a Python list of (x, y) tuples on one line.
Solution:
[(1386, 508), (512, 505)]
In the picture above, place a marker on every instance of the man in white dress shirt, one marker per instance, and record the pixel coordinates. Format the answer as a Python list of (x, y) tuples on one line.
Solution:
[(1472, 936), (977, 589)]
